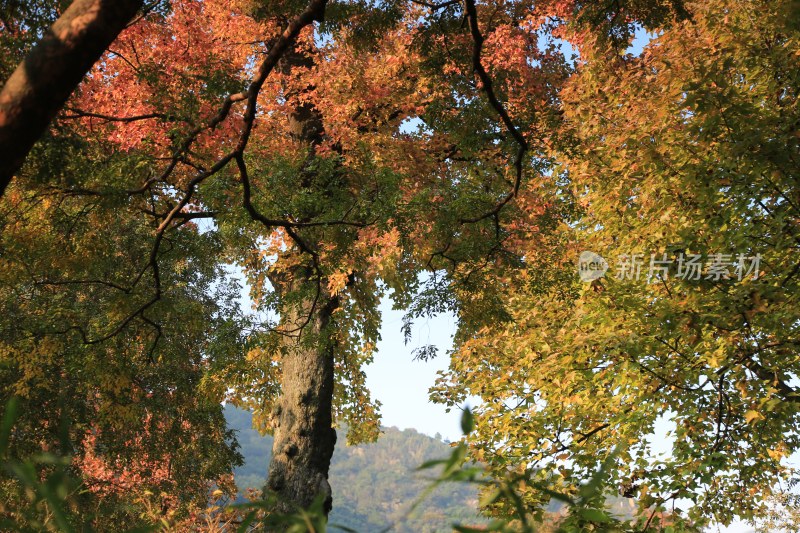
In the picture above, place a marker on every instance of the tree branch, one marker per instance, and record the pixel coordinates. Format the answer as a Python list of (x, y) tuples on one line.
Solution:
[(43, 82), (488, 88)]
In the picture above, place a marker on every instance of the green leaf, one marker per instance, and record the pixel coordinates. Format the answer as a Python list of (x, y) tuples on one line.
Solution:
[(9, 419), (594, 515), (467, 421)]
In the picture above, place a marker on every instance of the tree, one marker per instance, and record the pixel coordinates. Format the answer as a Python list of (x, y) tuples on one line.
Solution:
[(340, 201), (122, 387), (139, 146), (687, 150)]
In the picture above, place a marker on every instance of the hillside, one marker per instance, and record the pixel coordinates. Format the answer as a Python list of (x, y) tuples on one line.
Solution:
[(374, 484)]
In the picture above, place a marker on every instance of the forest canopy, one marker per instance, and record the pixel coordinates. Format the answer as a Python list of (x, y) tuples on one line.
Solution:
[(615, 228)]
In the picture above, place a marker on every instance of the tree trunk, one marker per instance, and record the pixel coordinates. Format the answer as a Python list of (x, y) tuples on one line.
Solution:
[(303, 417), (42, 83)]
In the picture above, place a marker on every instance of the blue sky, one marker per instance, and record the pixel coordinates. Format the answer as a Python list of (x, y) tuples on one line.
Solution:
[(401, 384)]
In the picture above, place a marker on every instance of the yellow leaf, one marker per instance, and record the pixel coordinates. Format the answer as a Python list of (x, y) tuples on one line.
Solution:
[(775, 455), (751, 416)]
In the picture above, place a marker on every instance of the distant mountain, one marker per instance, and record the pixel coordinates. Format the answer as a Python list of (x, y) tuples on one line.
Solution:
[(374, 485)]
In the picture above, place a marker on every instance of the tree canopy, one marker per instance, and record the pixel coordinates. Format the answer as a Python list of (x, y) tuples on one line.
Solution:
[(685, 153), (450, 156)]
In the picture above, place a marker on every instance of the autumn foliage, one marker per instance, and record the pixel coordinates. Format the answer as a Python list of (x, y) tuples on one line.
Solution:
[(454, 157)]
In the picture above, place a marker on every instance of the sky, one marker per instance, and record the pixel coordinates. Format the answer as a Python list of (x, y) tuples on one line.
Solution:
[(401, 384)]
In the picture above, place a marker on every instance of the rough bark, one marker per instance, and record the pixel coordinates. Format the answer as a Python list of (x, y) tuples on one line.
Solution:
[(42, 83), (303, 416)]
